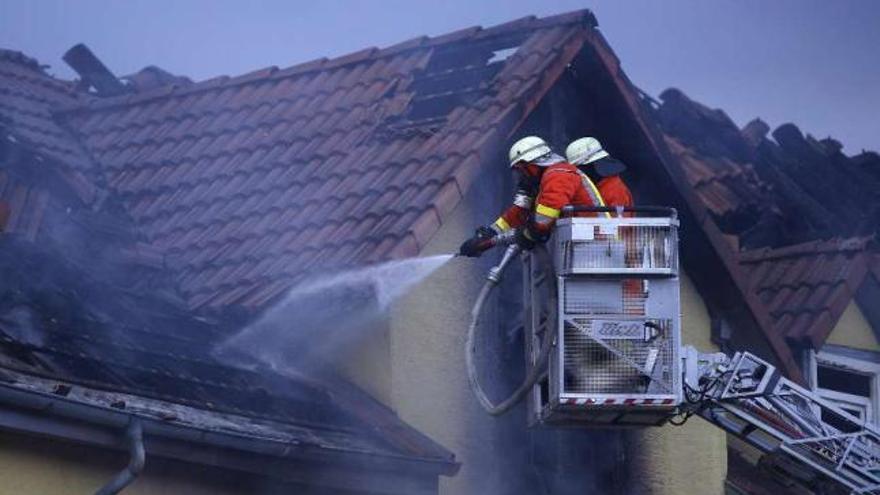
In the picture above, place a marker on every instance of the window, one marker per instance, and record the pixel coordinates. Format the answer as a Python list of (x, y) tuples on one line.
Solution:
[(851, 383)]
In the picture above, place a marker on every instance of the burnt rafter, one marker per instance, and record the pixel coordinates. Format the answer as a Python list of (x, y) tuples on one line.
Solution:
[(771, 192), (93, 72), (456, 75)]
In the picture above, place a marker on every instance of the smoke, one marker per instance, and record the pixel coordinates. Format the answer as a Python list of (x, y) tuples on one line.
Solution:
[(322, 316)]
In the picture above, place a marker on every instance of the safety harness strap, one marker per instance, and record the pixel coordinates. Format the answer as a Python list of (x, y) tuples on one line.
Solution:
[(593, 191)]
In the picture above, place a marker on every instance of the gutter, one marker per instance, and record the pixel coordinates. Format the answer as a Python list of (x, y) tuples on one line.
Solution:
[(41, 413)]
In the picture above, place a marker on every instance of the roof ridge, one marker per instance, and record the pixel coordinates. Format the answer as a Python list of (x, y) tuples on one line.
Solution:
[(582, 16), (835, 244)]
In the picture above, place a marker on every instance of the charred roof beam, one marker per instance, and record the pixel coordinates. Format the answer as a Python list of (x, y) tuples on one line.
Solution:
[(93, 72)]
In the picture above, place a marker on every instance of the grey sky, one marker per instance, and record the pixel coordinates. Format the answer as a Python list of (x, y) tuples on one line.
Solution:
[(814, 63)]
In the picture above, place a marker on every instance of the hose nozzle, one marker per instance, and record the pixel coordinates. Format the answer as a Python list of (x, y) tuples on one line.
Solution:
[(494, 275)]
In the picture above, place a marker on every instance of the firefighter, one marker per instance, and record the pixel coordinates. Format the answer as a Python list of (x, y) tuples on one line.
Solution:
[(551, 181), (590, 158)]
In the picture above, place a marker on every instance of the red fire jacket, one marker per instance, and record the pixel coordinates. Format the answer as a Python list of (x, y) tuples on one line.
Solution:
[(614, 192), (561, 185)]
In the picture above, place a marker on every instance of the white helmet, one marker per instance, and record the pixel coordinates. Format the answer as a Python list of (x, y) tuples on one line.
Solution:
[(528, 149), (584, 150)]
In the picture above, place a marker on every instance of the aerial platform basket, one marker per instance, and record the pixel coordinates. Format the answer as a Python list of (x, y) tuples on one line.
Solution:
[(611, 302)]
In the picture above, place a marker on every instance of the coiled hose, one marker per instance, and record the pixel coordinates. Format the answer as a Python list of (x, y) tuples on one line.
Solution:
[(533, 373)]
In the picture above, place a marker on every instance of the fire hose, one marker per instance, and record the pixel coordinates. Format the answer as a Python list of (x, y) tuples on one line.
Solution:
[(533, 373)]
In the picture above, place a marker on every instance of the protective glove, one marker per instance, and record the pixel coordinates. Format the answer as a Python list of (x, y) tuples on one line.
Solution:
[(481, 241), (525, 239)]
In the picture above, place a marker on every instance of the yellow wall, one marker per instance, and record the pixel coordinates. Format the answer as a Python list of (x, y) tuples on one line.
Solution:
[(429, 388), (696, 326), (31, 465), (690, 458), (853, 330)]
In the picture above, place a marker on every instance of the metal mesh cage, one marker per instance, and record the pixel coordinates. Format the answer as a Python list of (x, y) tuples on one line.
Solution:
[(604, 296), (630, 356)]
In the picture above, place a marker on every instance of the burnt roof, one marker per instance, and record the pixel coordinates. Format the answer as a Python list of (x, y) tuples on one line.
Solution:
[(799, 217), (90, 309), (775, 192)]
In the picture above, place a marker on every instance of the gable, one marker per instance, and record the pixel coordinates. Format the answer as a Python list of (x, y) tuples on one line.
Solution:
[(853, 330), (630, 130)]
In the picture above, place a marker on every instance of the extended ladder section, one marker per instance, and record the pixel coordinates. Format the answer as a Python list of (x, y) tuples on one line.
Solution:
[(809, 438)]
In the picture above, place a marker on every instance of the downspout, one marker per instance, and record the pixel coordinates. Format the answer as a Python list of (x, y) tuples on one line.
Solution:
[(135, 436)]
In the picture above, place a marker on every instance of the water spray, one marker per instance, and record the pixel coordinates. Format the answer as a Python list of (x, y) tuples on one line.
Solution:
[(324, 315)]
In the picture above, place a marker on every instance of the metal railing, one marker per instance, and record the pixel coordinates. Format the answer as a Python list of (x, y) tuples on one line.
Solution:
[(640, 241)]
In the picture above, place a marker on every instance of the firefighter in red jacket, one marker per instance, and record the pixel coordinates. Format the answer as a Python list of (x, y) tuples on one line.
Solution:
[(591, 159), (587, 154), (551, 181)]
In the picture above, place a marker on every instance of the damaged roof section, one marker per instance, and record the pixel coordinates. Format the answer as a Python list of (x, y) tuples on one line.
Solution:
[(771, 192), (90, 312), (28, 98), (800, 217), (227, 192)]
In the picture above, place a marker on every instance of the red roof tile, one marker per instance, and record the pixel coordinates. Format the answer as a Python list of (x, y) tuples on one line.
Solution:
[(724, 186), (27, 99), (805, 288), (250, 181)]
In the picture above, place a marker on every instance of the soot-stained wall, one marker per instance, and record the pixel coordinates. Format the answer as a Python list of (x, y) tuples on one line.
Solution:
[(427, 382), (668, 459), (429, 386)]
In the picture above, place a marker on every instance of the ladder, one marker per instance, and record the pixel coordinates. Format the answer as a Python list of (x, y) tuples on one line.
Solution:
[(816, 442)]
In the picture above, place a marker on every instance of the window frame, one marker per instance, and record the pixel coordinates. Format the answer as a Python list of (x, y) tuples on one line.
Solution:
[(871, 405)]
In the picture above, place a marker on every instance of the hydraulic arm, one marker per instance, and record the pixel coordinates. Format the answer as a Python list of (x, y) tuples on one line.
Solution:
[(810, 438)]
